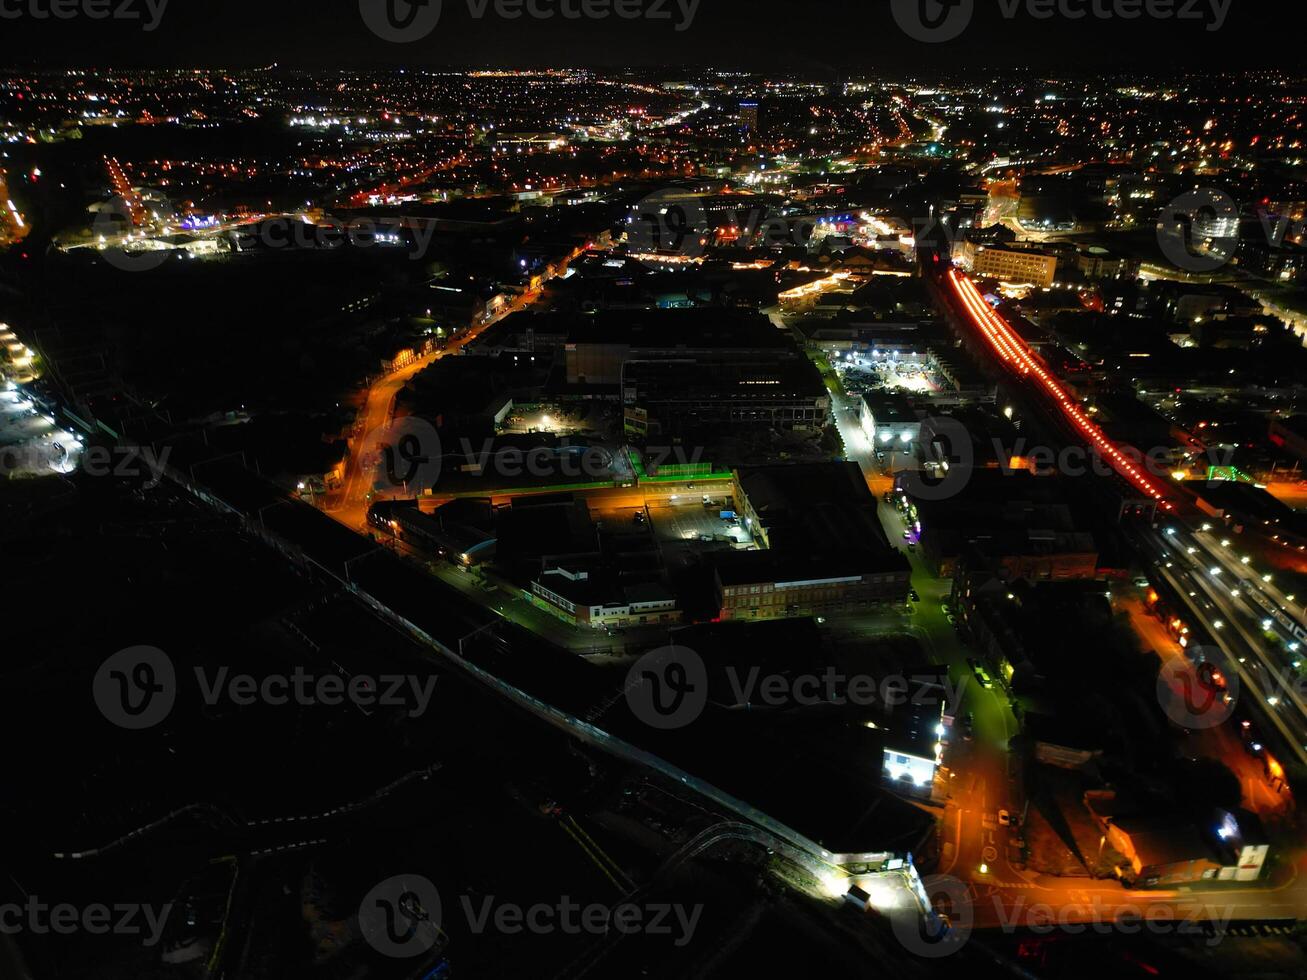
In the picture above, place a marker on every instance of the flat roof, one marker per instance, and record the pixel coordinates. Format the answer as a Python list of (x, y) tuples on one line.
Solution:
[(816, 509)]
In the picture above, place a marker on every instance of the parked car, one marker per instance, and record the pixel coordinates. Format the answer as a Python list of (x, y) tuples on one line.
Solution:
[(1004, 818), (914, 595)]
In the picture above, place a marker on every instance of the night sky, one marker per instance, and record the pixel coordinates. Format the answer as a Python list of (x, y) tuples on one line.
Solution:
[(813, 36)]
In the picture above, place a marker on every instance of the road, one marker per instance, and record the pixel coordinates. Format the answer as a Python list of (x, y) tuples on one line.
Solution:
[(978, 779), (1259, 901), (350, 507), (1272, 802), (1217, 589)]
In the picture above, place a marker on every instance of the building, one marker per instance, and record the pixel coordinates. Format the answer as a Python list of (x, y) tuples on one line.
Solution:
[(1285, 262), (749, 116), (889, 421), (584, 594), (675, 396), (914, 732), (1167, 849), (823, 548), (1096, 262), (1015, 265), (599, 346), (1021, 522)]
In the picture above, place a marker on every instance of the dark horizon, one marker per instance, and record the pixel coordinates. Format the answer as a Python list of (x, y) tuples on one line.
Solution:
[(768, 36)]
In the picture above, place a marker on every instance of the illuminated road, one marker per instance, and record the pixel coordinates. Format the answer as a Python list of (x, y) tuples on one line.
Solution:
[(1021, 360), (978, 783), (1255, 646), (351, 506), (1219, 591)]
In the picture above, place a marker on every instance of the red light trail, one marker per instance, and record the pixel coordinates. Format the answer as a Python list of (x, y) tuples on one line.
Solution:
[(1015, 353)]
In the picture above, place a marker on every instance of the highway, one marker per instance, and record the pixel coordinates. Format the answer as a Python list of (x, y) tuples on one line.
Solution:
[(1219, 592)]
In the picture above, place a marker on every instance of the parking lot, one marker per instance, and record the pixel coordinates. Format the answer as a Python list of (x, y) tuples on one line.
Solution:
[(691, 521), (30, 443), (861, 373)]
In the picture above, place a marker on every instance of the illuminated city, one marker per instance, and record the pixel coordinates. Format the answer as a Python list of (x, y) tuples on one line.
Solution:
[(625, 488)]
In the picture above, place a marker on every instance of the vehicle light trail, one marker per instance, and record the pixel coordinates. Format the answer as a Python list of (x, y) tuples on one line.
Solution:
[(1014, 352)]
